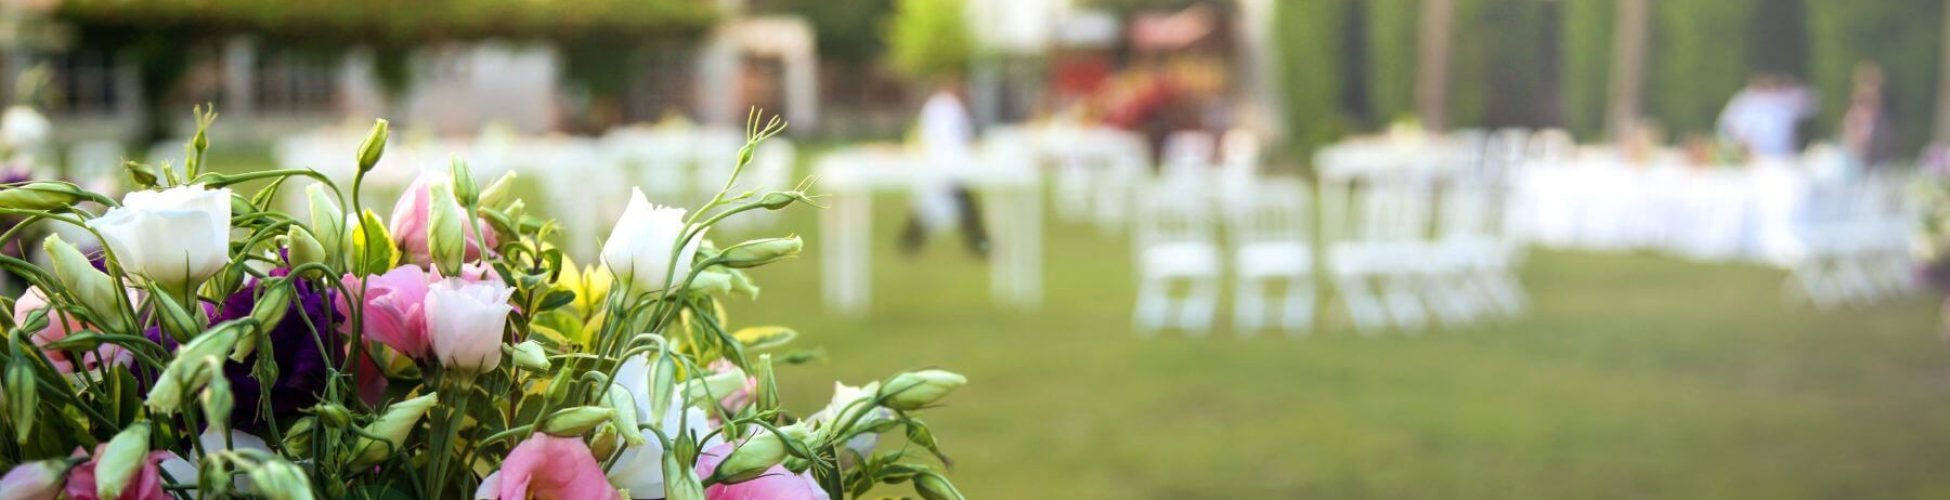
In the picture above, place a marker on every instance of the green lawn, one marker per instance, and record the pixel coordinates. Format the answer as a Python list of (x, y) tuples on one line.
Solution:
[(1633, 376)]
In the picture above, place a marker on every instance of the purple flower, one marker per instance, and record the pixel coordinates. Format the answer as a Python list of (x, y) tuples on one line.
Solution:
[(302, 367)]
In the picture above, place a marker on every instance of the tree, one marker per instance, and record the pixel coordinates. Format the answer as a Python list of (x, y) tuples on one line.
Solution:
[(928, 38)]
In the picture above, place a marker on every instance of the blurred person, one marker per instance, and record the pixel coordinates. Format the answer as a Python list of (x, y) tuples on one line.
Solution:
[(1762, 117), (947, 139), (1868, 129)]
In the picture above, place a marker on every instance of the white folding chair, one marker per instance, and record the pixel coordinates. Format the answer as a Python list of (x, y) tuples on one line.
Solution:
[(1271, 245), (1176, 243), (1188, 153), (1120, 163), (1376, 208), (1474, 251)]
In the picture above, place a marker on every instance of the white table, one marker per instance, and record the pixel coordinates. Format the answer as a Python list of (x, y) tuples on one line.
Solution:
[(1011, 200), (1718, 214)]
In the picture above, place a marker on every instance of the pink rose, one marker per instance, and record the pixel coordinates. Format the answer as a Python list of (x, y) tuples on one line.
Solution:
[(146, 485), (777, 483), (546, 466), (395, 312), (409, 222), (59, 325)]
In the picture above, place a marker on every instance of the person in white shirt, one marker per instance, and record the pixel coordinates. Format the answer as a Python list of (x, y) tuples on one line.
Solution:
[(1763, 116), (947, 139)]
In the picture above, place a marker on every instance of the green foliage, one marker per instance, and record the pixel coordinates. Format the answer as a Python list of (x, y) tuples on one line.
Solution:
[(1498, 68), (928, 38), (1310, 70), (1588, 29), (1904, 39), (846, 30), (1392, 29), (380, 21), (1697, 60)]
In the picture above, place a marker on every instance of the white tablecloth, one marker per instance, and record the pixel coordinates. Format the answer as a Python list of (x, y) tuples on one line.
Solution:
[(1721, 214)]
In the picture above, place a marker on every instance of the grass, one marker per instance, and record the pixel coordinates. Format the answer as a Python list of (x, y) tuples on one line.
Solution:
[(1633, 376)]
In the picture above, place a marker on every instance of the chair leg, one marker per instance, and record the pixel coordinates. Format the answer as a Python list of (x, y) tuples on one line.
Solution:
[(1153, 306), (1297, 315), (1249, 306), (1501, 290), (1200, 306), (1448, 298), (1362, 307), (1399, 293)]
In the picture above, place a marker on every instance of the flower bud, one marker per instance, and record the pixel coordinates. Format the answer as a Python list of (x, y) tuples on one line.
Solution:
[(41, 196), (680, 479), (446, 230), (95, 290), (497, 191), (932, 486), (299, 437), (121, 459), (705, 392), (327, 219), (780, 199), (767, 397), (465, 190), (190, 370), (278, 479), (217, 399), (143, 175), (913, 390), (268, 311), (663, 383), (529, 355), (37, 479), (303, 248), (373, 147), (760, 252), (23, 398), (332, 415), (559, 387), (574, 422), (394, 425), (372, 246), (758, 453), (625, 419)]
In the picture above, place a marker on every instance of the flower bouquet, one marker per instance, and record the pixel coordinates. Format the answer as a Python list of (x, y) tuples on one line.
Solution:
[(213, 347)]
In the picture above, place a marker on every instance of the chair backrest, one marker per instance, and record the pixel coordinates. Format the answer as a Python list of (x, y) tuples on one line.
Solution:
[(1271, 210), (1379, 195), (1472, 189), (1188, 152), (1170, 213)]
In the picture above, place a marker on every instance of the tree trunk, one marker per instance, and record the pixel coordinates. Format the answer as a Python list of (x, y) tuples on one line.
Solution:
[(1627, 68), (1432, 78)]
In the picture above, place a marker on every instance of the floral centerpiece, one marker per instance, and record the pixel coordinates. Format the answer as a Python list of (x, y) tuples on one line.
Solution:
[(216, 347)]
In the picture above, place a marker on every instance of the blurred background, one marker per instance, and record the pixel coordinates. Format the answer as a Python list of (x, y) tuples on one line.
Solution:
[(1184, 248)]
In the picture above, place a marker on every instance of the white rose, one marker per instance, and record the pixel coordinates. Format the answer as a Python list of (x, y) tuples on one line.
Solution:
[(638, 251), (465, 321), (177, 237), (640, 469)]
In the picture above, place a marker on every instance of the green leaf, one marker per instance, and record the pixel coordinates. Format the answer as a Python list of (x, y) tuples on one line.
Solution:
[(765, 337)]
